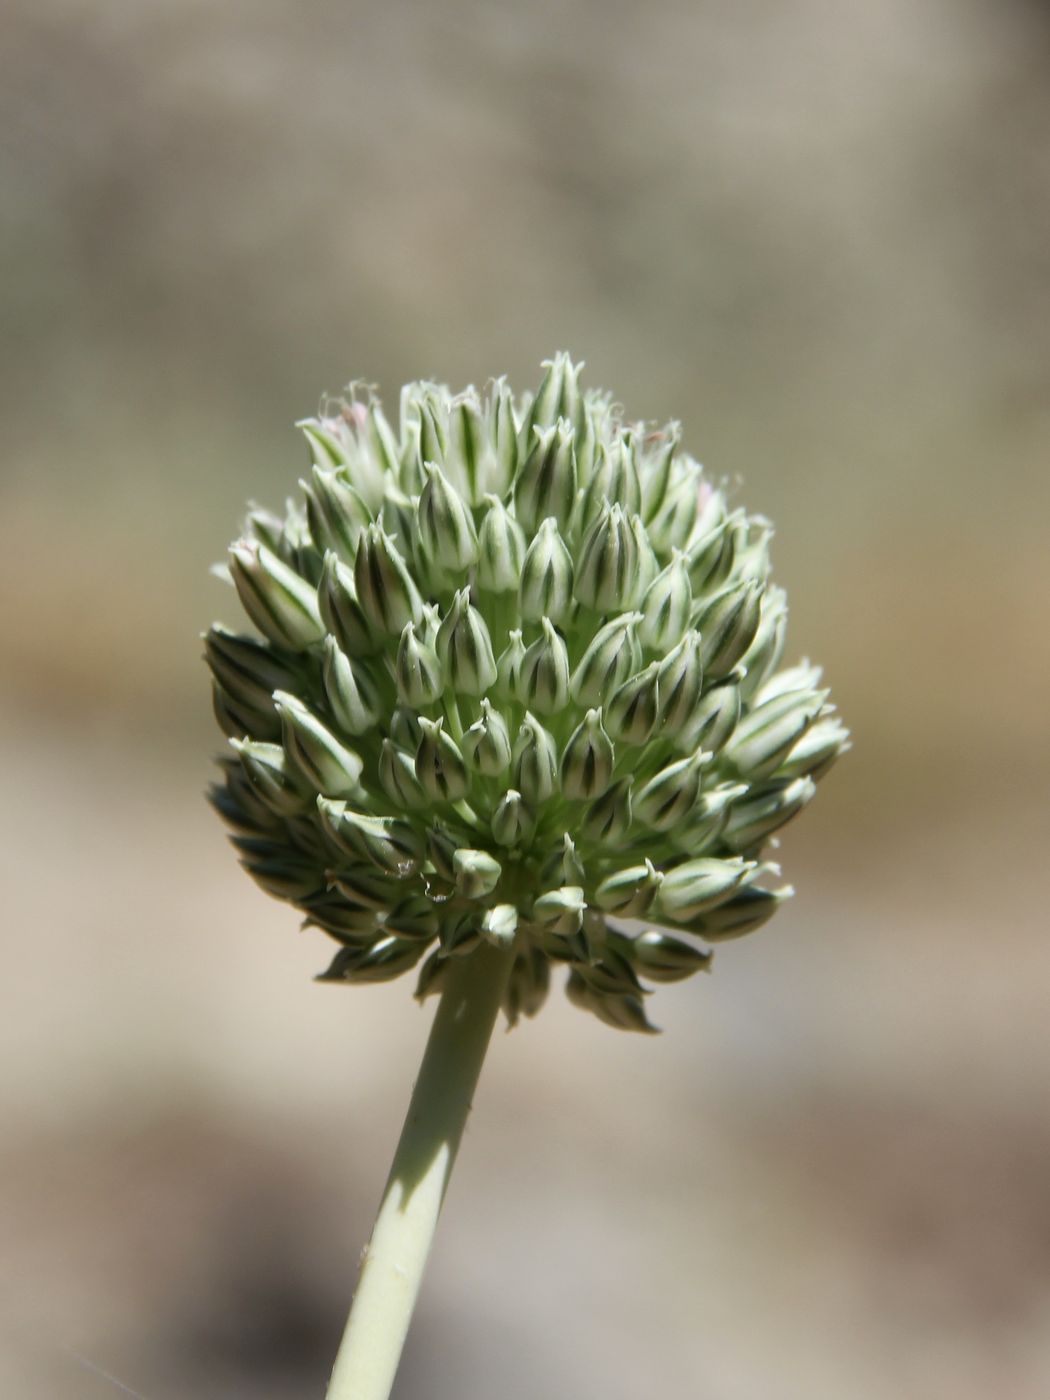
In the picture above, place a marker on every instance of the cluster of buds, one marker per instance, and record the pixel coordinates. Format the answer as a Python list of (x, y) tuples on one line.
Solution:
[(519, 681)]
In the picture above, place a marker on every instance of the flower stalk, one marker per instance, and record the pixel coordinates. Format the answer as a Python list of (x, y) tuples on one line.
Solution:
[(396, 1255)]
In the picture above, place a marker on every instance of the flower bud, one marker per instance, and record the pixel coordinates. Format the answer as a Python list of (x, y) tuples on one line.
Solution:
[(337, 600), (477, 873), (461, 934), (418, 671), (765, 811), (237, 720), (351, 694), (560, 910), (610, 658), (607, 577), (666, 606), (432, 976), (546, 482), (501, 549), (413, 917), (499, 925), (669, 797), (607, 821), (587, 763), (390, 843), (534, 764), (512, 822), (279, 871), (439, 763), (543, 683), (272, 777), (446, 528), (764, 653), (239, 805), (486, 744), (546, 576), (386, 959), (503, 434), (801, 677), (557, 397), (397, 778), (334, 510), (329, 766), (385, 590), (465, 649), (712, 721), (281, 604), (623, 1011), (528, 984), (657, 456), (563, 866), (363, 885), (817, 749), (662, 958), (679, 682), (696, 886), (632, 711), (629, 893), (728, 625), (470, 448), (672, 524), (508, 667), (615, 478), (248, 671), (404, 729), (748, 909), (441, 851), (349, 923), (764, 737)]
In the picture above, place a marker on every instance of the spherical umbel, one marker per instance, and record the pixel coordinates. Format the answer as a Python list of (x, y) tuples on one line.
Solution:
[(517, 681)]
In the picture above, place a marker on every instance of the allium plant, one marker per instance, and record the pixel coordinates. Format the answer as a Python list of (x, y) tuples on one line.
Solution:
[(518, 687)]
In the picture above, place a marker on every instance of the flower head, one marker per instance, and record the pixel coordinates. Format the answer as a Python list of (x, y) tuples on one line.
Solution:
[(518, 682)]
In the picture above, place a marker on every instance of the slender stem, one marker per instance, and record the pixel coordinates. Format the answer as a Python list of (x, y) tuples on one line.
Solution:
[(437, 1114)]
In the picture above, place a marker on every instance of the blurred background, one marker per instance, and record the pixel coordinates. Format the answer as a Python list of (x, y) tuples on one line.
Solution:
[(817, 233)]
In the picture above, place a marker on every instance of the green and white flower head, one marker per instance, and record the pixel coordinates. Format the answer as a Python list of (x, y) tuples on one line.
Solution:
[(518, 682)]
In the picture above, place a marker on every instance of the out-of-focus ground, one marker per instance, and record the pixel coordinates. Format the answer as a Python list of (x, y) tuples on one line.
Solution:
[(820, 235)]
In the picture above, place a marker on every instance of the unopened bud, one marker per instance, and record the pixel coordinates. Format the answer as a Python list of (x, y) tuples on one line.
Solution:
[(615, 478), (672, 524), (680, 681), (765, 811), (388, 597), (543, 684), (534, 761), (337, 600), (512, 821), (748, 909), (397, 777), (607, 578), (446, 528), (326, 764), (465, 649), (476, 872), (587, 763), (662, 958), (666, 606), (609, 818), (728, 625), (335, 511), (546, 483), (634, 707), (712, 721), (698, 885), (501, 549), (486, 744), (389, 843), (418, 671), (281, 604), (272, 776), (560, 910), (508, 667), (764, 737), (629, 893), (351, 694), (499, 925), (439, 763), (610, 658), (670, 796), (546, 576)]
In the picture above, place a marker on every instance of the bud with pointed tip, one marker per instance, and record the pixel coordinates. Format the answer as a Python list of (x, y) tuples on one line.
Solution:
[(712, 721), (546, 481), (696, 886), (420, 679), (546, 576), (558, 395), (512, 821), (615, 478), (680, 681), (501, 549), (817, 749), (446, 527), (486, 744), (534, 761), (273, 778), (662, 958), (666, 606), (334, 510), (499, 925), (748, 909), (248, 671), (390, 843), (764, 737), (351, 694), (508, 667), (439, 763), (327, 765), (560, 910), (543, 682), (672, 524), (728, 625), (476, 873), (608, 820), (765, 811), (281, 604), (465, 648), (607, 576), (397, 778), (670, 796), (385, 589), (340, 610), (634, 707), (630, 893), (610, 657), (587, 763)]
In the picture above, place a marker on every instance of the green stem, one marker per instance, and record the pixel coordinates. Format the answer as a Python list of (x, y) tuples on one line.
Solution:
[(437, 1114)]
